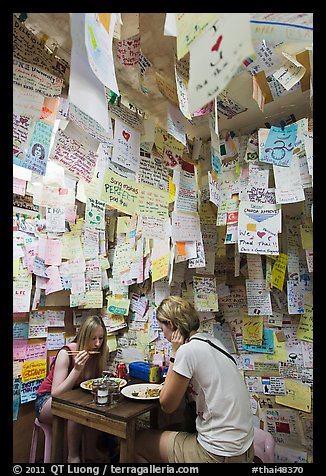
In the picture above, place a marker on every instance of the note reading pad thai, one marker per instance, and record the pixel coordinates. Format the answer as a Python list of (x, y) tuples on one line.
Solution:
[(142, 391)]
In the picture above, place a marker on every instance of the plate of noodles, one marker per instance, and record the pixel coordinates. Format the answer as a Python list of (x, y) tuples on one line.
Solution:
[(87, 384), (142, 391)]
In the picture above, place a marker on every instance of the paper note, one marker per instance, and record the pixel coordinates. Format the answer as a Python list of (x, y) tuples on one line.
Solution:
[(86, 91), (278, 271), (75, 151), (98, 42), (153, 201), (258, 228), (295, 295), (36, 79), (120, 193), (95, 214), (34, 370), (305, 327), (160, 258), (216, 56), (118, 306), (152, 172), (290, 73), (298, 395), (128, 51), (126, 143), (205, 295), (252, 330), (279, 145), (189, 26), (259, 300), (185, 227)]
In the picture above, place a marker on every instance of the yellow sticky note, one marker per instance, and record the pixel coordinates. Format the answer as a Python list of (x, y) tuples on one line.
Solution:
[(120, 193), (105, 20), (123, 224), (278, 271), (280, 353), (252, 330), (298, 395), (15, 267), (306, 232), (160, 267), (171, 190), (251, 226), (112, 343), (305, 327)]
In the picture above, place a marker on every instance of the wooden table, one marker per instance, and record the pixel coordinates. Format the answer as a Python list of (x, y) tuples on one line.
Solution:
[(118, 419)]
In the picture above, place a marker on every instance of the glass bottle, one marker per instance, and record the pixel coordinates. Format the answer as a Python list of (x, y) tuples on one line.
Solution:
[(102, 394)]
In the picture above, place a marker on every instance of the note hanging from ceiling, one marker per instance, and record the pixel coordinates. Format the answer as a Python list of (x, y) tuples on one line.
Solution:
[(126, 144), (176, 126), (128, 51), (98, 42), (189, 27), (76, 151), (279, 145), (182, 87), (36, 79), (290, 73), (86, 91), (216, 56), (90, 125)]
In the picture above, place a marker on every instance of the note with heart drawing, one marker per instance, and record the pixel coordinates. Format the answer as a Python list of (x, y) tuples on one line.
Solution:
[(258, 228), (126, 144)]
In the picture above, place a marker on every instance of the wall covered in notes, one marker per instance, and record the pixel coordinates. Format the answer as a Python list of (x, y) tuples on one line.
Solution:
[(117, 205)]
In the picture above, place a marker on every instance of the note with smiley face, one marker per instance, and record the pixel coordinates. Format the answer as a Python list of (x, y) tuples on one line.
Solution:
[(95, 214)]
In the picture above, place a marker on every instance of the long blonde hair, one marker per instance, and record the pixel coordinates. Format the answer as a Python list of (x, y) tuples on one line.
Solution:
[(180, 312), (89, 325)]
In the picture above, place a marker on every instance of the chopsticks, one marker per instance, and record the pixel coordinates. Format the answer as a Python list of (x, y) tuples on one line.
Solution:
[(74, 352)]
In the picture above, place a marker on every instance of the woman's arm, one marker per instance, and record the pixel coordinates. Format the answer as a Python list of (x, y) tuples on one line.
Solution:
[(62, 380), (175, 385), (173, 390)]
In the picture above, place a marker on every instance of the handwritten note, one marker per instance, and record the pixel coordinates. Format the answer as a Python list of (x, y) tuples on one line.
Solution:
[(120, 193), (190, 26), (76, 152), (126, 143), (185, 227), (279, 145), (258, 228), (216, 56), (290, 73)]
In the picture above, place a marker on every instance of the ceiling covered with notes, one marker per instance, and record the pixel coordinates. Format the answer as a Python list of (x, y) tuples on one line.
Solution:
[(160, 50)]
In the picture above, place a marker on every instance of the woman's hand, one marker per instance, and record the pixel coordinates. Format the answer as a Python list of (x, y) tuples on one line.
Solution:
[(80, 360), (176, 340)]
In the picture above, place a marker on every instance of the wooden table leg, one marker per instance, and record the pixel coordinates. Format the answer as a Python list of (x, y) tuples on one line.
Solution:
[(58, 430), (127, 445)]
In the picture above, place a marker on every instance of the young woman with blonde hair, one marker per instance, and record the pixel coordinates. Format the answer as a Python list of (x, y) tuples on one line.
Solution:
[(200, 366), (67, 372)]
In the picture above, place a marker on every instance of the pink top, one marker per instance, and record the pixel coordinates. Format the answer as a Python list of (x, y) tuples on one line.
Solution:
[(46, 385)]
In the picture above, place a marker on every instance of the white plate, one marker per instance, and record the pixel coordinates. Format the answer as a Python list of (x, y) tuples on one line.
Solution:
[(86, 385), (141, 389)]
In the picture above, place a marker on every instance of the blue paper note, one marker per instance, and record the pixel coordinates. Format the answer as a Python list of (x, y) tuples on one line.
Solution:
[(279, 145)]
